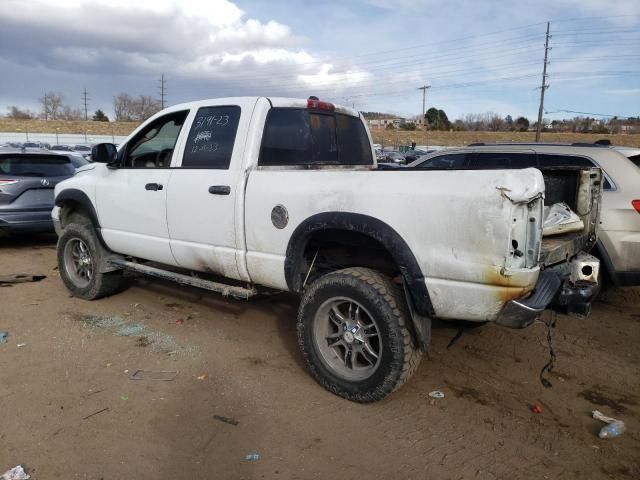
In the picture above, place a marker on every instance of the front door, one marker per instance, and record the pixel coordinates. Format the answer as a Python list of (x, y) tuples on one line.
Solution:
[(131, 200), (205, 189)]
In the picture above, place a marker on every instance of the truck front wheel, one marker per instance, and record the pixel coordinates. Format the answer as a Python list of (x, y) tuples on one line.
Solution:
[(353, 333), (80, 258)]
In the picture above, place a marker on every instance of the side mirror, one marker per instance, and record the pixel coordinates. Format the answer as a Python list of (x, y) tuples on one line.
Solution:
[(104, 153)]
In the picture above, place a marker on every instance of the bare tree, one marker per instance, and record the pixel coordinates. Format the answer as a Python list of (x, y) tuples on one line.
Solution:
[(494, 122), (68, 113), (19, 114), (145, 106), (128, 108), (52, 105), (122, 107)]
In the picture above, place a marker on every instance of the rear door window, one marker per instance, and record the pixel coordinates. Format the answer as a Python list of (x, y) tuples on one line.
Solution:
[(211, 139), (490, 160), (443, 162), (295, 137), (35, 166)]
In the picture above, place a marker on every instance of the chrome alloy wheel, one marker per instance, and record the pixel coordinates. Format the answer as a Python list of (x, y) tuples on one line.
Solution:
[(347, 338), (78, 262)]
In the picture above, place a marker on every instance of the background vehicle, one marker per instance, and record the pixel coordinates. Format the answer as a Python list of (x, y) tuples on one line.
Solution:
[(412, 155), (27, 181), (395, 157), (284, 194), (61, 148), (619, 236)]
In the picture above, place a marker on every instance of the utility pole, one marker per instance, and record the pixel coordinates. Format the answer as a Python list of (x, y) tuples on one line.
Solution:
[(85, 102), (544, 85), (424, 122), (46, 108), (424, 98), (162, 88)]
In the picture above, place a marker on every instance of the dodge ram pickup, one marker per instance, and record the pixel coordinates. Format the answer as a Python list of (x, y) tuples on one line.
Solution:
[(245, 195)]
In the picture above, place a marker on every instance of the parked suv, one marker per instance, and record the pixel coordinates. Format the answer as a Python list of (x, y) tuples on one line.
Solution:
[(27, 181), (618, 245)]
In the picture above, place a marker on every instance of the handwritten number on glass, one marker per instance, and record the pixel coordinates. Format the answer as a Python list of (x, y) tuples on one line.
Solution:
[(208, 147), (211, 121)]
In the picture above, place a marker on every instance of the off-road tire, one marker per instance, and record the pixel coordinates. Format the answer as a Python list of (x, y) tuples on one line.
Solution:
[(382, 299), (101, 284)]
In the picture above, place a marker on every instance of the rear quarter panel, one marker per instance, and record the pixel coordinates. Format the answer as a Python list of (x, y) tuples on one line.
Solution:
[(458, 225)]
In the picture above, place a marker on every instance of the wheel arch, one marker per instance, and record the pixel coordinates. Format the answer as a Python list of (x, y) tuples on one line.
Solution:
[(75, 199), (369, 227)]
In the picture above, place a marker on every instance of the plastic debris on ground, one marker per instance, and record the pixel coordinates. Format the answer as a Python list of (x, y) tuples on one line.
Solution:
[(16, 473), (252, 457), (559, 218), (230, 421), (436, 394), (160, 375), (613, 427), (3, 336), (20, 278), (537, 408)]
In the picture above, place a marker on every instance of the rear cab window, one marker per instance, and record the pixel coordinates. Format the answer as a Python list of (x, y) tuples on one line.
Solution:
[(635, 159), (301, 137)]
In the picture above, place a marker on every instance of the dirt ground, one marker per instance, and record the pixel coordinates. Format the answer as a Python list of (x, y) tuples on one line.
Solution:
[(240, 360)]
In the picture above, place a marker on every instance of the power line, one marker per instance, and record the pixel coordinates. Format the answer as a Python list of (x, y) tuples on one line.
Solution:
[(586, 113), (543, 87)]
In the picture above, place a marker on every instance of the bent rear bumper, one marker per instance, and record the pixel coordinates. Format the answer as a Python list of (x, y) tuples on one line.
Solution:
[(522, 313), (569, 288)]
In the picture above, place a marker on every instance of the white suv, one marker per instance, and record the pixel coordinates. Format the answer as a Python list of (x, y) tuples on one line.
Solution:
[(618, 243)]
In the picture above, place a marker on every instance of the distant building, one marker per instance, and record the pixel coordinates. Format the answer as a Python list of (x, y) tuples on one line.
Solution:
[(384, 122)]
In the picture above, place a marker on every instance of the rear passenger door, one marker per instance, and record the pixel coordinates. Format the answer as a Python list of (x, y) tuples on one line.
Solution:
[(206, 186)]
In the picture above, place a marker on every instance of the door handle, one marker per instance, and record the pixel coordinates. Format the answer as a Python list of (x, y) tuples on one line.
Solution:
[(153, 186), (220, 189)]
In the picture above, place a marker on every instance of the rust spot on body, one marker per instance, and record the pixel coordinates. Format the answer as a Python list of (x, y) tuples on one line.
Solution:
[(504, 285)]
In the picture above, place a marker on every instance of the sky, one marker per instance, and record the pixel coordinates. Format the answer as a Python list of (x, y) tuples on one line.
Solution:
[(475, 56)]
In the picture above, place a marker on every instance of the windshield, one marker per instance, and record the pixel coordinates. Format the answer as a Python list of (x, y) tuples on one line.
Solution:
[(36, 166)]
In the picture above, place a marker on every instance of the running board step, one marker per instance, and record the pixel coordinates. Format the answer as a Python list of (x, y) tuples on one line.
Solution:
[(224, 289)]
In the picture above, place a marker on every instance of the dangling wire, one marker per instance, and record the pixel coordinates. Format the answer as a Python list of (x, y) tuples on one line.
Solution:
[(550, 323)]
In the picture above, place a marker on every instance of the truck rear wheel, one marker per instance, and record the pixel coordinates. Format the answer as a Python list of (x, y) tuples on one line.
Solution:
[(80, 257), (353, 333)]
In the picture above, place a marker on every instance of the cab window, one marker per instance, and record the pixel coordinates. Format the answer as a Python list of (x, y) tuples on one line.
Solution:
[(153, 146)]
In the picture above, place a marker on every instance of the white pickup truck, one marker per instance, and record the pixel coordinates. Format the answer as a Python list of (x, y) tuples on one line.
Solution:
[(239, 195)]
